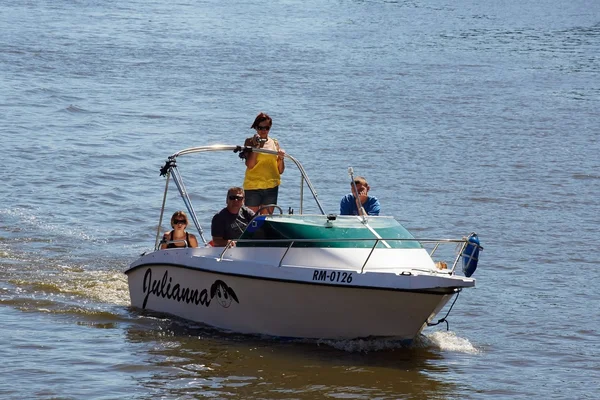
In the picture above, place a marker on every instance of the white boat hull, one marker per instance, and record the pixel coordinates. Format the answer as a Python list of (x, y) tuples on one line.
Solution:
[(290, 302)]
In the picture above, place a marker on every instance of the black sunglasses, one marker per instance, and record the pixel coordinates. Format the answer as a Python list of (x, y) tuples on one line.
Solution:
[(263, 128), (179, 221), (235, 197)]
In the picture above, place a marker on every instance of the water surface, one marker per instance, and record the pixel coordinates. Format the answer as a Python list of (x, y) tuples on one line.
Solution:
[(464, 116)]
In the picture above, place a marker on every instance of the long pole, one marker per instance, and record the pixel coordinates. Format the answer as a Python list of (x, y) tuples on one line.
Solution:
[(364, 214), (361, 209), (162, 211)]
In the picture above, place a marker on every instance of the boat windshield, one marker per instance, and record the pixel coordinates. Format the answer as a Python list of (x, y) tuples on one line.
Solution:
[(326, 231)]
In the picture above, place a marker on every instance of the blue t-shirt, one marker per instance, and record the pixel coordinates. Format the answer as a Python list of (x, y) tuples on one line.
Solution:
[(348, 205)]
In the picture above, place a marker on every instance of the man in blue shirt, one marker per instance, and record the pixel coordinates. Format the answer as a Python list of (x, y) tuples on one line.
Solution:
[(359, 203)]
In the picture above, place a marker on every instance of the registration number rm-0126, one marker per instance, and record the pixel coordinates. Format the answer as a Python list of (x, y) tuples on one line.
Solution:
[(332, 276)]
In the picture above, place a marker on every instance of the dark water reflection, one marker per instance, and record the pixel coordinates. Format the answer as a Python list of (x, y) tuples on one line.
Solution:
[(190, 362)]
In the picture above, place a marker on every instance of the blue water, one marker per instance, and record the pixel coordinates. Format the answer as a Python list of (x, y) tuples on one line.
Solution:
[(464, 116)]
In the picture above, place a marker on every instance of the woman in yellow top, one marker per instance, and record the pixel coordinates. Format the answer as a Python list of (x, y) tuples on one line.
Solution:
[(263, 171)]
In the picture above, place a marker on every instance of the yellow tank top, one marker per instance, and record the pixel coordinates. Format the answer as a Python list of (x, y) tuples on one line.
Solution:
[(265, 174)]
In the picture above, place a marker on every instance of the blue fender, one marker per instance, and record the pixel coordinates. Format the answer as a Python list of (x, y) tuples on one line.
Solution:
[(470, 254)]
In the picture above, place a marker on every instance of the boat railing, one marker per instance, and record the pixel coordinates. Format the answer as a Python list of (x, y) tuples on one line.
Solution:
[(460, 246)]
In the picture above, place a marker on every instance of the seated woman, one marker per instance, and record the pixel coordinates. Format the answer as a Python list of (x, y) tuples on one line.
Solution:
[(178, 237)]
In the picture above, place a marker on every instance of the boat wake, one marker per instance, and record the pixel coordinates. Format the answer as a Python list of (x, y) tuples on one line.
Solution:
[(448, 341), (442, 340)]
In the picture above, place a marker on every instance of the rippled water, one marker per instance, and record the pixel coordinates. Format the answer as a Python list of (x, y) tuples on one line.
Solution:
[(464, 116)]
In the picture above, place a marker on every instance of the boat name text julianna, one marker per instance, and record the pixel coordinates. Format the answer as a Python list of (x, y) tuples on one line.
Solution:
[(162, 288)]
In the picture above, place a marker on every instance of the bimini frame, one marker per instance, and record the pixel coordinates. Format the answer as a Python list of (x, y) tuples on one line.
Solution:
[(170, 169)]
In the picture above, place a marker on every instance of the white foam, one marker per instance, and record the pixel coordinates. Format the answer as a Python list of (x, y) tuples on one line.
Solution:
[(448, 341)]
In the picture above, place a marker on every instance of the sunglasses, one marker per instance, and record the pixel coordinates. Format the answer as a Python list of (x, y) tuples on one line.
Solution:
[(358, 183), (232, 197), (179, 221), (263, 128)]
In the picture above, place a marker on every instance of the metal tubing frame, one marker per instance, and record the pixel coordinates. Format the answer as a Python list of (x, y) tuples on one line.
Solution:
[(187, 201), (162, 211), (459, 254)]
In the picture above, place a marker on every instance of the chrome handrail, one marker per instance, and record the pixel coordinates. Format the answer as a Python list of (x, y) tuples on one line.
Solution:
[(292, 242)]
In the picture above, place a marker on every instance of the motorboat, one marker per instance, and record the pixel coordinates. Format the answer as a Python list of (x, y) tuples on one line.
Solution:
[(297, 275)]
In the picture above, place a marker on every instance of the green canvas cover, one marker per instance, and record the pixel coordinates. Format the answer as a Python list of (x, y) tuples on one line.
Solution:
[(325, 231)]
